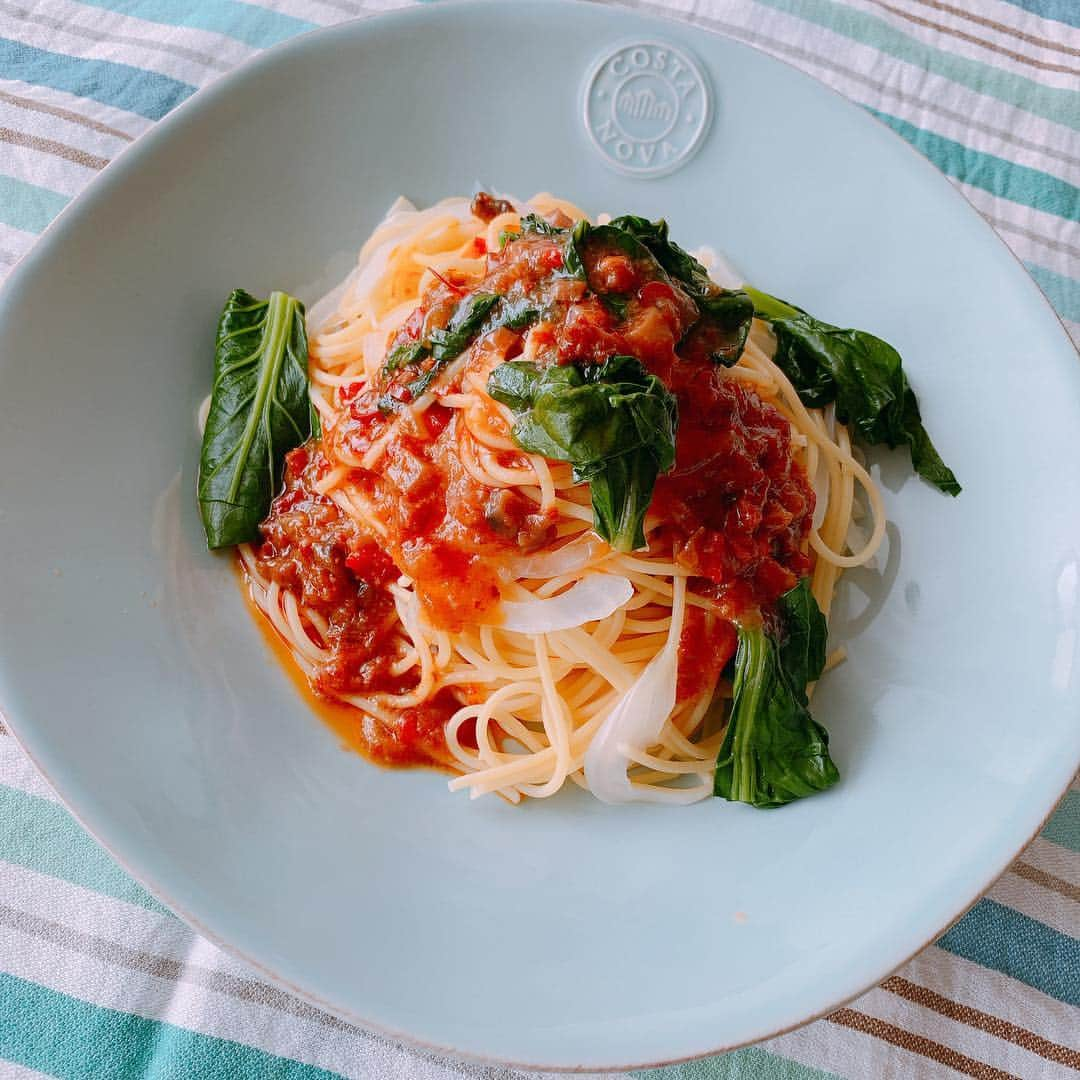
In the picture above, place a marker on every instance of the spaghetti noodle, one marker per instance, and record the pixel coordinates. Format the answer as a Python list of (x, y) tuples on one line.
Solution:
[(427, 569)]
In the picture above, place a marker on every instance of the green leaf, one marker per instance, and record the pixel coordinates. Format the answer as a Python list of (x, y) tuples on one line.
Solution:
[(862, 374), (614, 422), (517, 314), (616, 303), (726, 314), (534, 223), (406, 356), (773, 750), (678, 263), (802, 652), (464, 325), (260, 408)]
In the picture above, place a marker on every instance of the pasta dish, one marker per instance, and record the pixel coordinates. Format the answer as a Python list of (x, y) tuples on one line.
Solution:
[(545, 503)]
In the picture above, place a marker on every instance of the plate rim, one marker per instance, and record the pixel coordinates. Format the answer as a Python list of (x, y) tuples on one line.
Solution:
[(220, 87)]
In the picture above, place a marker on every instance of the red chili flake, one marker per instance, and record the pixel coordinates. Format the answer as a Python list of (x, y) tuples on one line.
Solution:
[(350, 391), (400, 393), (481, 245), (552, 258), (449, 284), (364, 410)]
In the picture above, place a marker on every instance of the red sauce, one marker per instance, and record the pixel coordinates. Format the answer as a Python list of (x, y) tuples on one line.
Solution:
[(737, 508), (739, 505), (705, 647)]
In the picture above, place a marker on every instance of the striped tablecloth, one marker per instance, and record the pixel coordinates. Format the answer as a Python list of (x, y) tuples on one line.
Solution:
[(97, 980)]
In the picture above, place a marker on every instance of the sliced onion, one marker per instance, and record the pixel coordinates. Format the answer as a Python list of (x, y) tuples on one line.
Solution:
[(591, 599), (635, 721), (568, 559)]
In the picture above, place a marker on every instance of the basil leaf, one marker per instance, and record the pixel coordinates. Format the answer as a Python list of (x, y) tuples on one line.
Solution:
[(464, 325), (773, 750), (614, 422), (469, 318), (517, 314), (260, 408), (862, 374), (678, 263), (406, 356), (726, 314), (534, 223)]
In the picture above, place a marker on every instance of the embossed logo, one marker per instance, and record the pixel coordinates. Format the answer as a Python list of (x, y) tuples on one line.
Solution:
[(647, 108)]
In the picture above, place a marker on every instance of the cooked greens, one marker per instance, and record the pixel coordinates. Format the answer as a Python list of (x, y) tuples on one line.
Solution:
[(862, 374), (260, 409), (773, 750), (726, 314), (476, 313), (464, 325), (614, 422), (406, 356)]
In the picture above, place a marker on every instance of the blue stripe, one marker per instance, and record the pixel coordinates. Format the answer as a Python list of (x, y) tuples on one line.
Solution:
[(64, 1037), (42, 836), (1066, 11), (1060, 105), (998, 937), (255, 26), (120, 85), (1063, 292), (753, 1063), (1017, 183), (27, 206), (1064, 827)]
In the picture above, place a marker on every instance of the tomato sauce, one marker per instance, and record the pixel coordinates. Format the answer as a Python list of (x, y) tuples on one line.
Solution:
[(736, 507)]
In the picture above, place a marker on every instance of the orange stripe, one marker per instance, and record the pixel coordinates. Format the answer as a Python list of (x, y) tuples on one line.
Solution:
[(63, 114), (981, 42), (1047, 881), (918, 1044), (51, 146), (1031, 39), (987, 1022)]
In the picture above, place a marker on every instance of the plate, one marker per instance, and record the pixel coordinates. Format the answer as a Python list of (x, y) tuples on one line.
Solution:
[(566, 933)]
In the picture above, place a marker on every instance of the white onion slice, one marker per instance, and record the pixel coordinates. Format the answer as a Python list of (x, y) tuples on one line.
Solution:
[(568, 559), (637, 721), (591, 599)]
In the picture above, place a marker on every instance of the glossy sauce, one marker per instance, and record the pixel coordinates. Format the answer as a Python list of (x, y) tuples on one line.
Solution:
[(736, 508)]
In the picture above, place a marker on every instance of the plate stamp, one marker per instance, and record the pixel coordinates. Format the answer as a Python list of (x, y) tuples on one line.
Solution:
[(647, 107)]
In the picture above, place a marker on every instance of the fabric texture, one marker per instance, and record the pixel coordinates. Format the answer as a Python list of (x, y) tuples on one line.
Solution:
[(98, 980)]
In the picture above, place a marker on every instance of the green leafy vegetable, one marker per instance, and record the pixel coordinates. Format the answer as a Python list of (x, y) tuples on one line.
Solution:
[(773, 750), (442, 345), (616, 303), (517, 314), (862, 374), (406, 356), (534, 223), (260, 409), (678, 263), (463, 326), (802, 651), (614, 422), (726, 314)]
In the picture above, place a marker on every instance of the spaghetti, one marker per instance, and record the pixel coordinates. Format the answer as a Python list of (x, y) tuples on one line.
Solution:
[(427, 569)]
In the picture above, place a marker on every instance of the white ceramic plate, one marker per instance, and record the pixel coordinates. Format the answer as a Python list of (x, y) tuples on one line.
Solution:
[(565, 933)]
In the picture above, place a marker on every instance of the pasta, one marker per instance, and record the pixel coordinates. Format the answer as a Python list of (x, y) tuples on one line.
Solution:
[(499, 634)]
